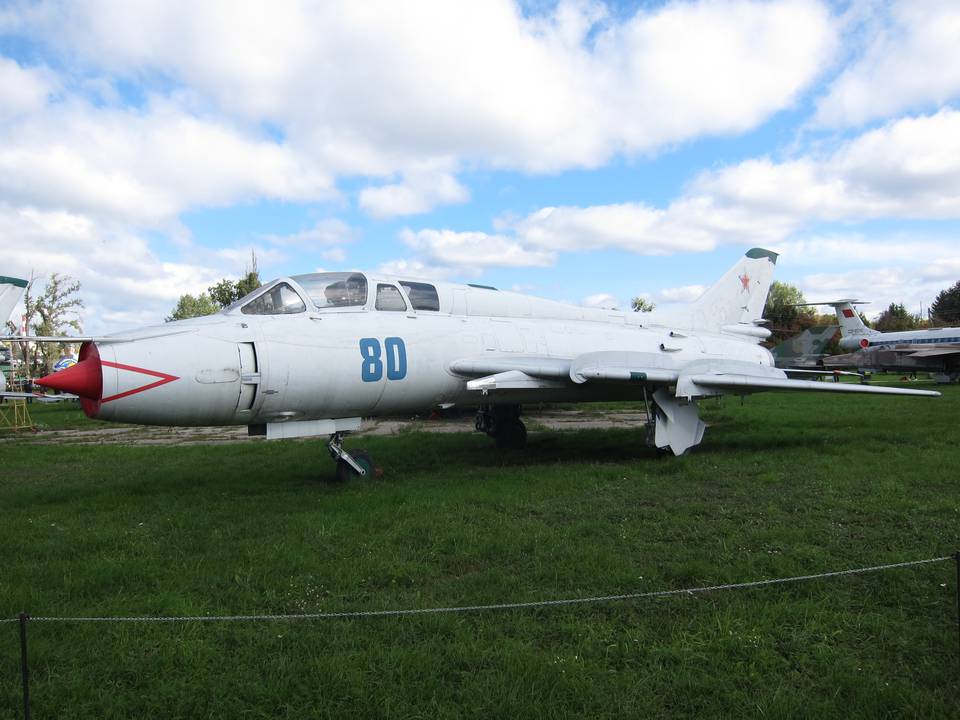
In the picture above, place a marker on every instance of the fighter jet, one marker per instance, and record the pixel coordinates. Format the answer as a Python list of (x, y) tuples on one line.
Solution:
[(804, 350), (11, 290), (934, 349), (310, 355)]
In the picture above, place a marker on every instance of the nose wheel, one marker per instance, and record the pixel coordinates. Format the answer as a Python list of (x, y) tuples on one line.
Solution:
[(350, 465)]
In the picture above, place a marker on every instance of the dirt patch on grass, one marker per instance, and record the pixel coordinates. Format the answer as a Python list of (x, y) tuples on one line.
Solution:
[(150, 435)]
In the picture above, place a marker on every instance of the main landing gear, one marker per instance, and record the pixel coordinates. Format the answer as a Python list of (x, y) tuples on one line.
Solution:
[(503, 424), (350, 465)]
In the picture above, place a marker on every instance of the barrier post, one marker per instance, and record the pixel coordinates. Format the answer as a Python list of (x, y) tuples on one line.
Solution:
[(24, 667)]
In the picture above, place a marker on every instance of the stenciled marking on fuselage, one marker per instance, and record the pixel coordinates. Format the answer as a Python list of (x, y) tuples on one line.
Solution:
[(372, 368)]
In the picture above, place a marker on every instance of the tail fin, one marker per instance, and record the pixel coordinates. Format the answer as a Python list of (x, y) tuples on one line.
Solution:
[(849, 319), (10, 291), (736, 301)]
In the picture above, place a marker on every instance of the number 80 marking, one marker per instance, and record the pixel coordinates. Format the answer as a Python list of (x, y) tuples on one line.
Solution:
[(372, 368)]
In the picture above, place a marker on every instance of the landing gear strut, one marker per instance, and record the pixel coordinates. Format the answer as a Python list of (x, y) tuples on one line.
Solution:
[(349, 465), (503, 423)]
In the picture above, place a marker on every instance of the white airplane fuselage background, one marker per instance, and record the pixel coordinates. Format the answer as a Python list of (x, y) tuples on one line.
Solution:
[(241, 369)]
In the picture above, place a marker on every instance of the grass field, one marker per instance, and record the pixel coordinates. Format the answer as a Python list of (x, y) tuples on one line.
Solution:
[(783, 485)]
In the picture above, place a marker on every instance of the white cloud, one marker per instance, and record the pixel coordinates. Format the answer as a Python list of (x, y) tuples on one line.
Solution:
[(330, 231), (473, 249), (121, 278), (417, 269), (601, 300), (914, 284), (845, 250), (393, 85), (22, 90), (334, 255), (942, 269), (144, 167), (909, 168), (683, 294), (422, 189), (912, 60)]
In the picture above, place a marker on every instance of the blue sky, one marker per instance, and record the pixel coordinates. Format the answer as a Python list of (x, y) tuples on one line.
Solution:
[(581, 151)]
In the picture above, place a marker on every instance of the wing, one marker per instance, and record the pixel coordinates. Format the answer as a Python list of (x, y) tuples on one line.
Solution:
[(936, 352), (103, 339), (697, 379)]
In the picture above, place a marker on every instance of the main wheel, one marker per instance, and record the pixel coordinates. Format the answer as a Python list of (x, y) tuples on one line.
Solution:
[(512, 435), (346, 472)]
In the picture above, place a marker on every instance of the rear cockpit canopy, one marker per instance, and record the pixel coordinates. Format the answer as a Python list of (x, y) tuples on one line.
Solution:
[(334, 289)]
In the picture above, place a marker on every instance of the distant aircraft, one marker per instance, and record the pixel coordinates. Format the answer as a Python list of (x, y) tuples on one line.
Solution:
[(310, 355), (11, 290), (936, 349), (805, 350)]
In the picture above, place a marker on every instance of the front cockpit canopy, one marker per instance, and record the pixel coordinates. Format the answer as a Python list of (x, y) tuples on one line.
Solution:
[(281, 299)]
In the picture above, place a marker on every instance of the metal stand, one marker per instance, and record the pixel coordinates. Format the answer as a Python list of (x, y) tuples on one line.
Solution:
[(16, 416)]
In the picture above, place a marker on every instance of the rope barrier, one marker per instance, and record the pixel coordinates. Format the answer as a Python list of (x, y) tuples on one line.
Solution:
[(481, 608)]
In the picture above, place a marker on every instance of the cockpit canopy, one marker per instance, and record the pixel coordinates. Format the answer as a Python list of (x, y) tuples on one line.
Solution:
[(325, 290), (334, 289), (281, 299)]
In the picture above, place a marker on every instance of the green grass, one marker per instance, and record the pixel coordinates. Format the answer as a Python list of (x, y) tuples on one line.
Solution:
[(782, 485), (59, 416)]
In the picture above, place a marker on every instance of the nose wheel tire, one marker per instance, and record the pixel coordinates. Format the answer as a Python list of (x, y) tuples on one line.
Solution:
[(344, 472)]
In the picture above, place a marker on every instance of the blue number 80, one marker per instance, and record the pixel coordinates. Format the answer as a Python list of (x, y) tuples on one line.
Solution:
[(372, 368)]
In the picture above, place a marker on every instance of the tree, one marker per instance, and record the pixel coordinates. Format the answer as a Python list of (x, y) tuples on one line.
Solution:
[(223, 293), (896, 318), (640, 304), (52, 312), (251, 278), (189, 306), (945, 309), (785, 317), (218, 296)]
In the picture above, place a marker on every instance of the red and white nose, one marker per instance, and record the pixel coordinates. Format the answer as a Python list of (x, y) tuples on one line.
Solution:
[(167, 380), (84, 379)]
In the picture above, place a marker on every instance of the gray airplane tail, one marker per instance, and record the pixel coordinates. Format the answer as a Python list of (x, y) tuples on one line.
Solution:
[(735, 303), (851, 325), (11, 289)]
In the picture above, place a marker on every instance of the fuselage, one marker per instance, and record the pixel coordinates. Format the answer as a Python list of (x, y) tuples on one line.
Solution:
[(933, 336), (334, 361)]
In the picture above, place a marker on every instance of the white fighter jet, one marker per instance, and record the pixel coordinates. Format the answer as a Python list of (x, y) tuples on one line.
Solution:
[(11, 290), (933, 349), (309, 355)]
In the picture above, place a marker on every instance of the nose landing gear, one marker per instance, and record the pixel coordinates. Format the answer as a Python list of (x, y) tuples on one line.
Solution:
[(350, 465), (503, 424)]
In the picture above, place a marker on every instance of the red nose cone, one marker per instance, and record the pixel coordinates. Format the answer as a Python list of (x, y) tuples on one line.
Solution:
[(83, 379)]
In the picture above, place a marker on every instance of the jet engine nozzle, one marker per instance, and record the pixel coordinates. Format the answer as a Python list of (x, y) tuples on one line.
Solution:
[(84, 379)]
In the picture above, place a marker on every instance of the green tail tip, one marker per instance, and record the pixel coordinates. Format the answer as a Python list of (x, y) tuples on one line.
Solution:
[(757, 253)]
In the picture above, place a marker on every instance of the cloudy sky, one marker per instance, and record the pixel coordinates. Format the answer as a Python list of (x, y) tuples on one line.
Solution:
[(582, 151)]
